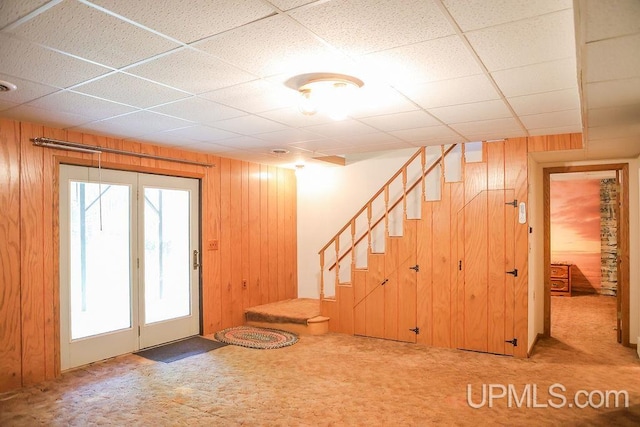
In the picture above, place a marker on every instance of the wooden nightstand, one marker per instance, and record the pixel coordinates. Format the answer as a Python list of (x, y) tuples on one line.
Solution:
[(561, 279)]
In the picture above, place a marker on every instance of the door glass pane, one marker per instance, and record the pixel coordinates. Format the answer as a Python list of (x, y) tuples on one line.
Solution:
[(100, 259), (166, 254)]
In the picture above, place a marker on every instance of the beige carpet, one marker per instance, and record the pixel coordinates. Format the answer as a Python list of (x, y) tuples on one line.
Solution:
[(343, 380)]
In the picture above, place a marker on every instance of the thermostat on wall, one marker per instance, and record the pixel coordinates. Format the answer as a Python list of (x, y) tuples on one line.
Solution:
[(522, 213)]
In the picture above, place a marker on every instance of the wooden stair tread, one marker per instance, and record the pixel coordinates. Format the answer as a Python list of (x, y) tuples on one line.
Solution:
[(297, 310), (318, 319)]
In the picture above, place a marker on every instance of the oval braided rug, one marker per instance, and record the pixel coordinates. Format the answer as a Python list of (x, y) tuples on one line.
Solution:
[(252, 337)]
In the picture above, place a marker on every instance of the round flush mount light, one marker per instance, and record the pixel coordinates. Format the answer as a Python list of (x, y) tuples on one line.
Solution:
[(279, 151), (329, 93), (7, 86)]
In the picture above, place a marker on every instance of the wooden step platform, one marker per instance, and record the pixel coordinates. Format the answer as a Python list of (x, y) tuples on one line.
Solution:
[(300, 316)]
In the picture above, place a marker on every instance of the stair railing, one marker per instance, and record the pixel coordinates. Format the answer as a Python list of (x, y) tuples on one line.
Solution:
[(368, 207)]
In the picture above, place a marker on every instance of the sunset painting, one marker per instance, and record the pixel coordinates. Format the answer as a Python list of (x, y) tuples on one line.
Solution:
[(575, 230)]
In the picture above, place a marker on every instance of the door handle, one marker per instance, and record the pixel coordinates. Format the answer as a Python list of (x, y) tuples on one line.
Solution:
[(196, 264)]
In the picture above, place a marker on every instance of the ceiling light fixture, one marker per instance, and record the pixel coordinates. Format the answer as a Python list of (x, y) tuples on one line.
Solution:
[(6, 86), (328, 93)]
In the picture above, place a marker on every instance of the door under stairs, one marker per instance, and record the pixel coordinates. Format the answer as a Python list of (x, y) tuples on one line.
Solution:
[(426, 259)]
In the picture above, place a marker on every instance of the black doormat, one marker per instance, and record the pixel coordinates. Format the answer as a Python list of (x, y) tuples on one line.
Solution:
[(180, 349)]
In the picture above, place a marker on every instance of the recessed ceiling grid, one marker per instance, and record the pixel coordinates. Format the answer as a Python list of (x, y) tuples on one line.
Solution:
[(210, 76)]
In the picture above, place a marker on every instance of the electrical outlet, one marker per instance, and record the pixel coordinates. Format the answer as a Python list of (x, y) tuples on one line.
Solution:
[(212, 245)]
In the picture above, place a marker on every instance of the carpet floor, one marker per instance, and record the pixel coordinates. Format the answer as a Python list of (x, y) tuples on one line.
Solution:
[(337, 379)]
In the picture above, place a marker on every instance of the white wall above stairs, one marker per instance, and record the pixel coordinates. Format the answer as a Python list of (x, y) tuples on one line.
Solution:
[(327, 198)]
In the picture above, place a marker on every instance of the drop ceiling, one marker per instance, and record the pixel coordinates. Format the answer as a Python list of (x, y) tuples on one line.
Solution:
[(210, 76)]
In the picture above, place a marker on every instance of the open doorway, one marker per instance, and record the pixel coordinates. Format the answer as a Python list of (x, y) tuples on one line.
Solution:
[(586, 247)]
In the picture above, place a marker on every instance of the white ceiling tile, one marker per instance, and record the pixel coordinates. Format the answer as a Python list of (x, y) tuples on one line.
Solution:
[(5, 105), (537, 78), (261, 156), (614, 132), (293, 117), (613, 148), (487, 126), (12, 10), (557, 100), (191, 70), (400, 121), (321, 146), (136, 124), (294, 153), (200, 133), (425, 134), (612, 18), (26, 91), (206, 147), (255, 96), (198, 110), (363, 26), (475, 14), (204, 17), (556, 130), (369, 139), (371, 148), (440, 59), (613, 93), (166, 139), (552, 120), (495, 134), (341, 151), (52, 118), (130, 90), (613, 116), (375, 99), (472, 112), (271, 46), (289, 136), (76, 103), (290, 4), (540, 39), (113, 42), (613, 59), (343, 128), (32, 62), (244, 142), (444, 140), (451, 92), (249, 125)]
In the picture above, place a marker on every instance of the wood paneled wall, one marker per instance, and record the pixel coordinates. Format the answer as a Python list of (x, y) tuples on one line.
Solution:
[(440, 293), (249, 209), (440, 301), (567, 141)]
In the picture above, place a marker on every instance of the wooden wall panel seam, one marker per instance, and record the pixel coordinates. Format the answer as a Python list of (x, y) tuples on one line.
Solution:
[(30, 353)]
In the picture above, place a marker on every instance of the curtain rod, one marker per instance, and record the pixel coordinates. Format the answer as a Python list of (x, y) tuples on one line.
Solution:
[(72, 146)]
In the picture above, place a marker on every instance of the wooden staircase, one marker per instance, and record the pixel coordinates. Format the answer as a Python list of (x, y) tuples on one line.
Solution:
[(395, 269), (300, 316)]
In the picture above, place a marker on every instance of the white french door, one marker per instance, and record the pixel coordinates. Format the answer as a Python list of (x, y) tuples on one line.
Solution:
[(129, 270)]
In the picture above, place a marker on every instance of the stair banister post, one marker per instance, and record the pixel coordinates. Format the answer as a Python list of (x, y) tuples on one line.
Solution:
[(423, 167), (442, 174), (404, 193), (369, 232), (321, 275), (353, 246), (386, 214), (337, 242)]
